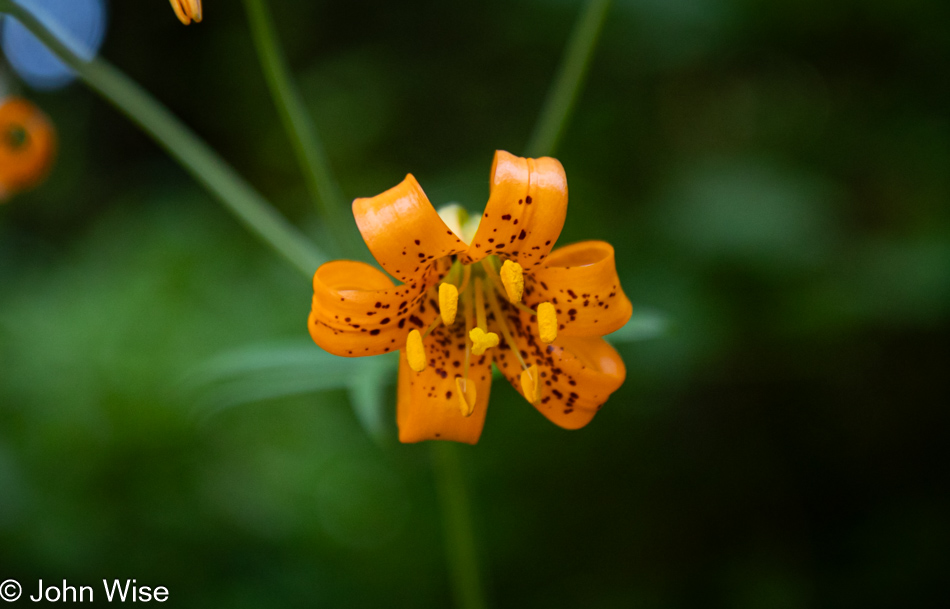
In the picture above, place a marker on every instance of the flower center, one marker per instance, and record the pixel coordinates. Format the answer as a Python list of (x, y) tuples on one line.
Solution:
[(477, 285)]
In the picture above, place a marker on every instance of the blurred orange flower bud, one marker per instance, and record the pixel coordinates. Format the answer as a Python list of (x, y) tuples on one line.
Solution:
[(27, 146)]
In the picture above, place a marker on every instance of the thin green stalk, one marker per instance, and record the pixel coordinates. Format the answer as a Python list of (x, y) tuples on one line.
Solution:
[(457, 526), (191, 152), (300, 129), (563, 93)]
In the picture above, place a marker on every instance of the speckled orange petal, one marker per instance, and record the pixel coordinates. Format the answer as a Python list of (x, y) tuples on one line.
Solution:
[(525, 211), (403, 230), (428, 401), (578, 374), (357, 311), (27, 146), (581, 281)]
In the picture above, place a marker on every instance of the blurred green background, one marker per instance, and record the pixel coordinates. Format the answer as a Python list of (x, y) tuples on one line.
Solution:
[(775, 177)]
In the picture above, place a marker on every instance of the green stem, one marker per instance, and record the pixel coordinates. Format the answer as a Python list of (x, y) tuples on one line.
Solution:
[(563, 93), (457, 525), (300, 129), (190, 151)]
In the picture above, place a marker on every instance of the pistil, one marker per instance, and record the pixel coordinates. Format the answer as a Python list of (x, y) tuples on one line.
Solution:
[(482, 339)]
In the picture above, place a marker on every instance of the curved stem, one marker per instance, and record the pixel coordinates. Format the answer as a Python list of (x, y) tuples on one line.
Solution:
[(563, 93), (191, 152), (457, 525), (300, 129)]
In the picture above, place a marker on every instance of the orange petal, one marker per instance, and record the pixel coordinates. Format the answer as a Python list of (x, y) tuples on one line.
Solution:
[(428, 404), (403, 230), (27, 145), (577, 374), (357, 311), (525, 211), (581, 281)]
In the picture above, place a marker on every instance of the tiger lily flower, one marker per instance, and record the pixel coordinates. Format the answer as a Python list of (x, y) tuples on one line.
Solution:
[(474, 293), (187, 10), (27, 146)]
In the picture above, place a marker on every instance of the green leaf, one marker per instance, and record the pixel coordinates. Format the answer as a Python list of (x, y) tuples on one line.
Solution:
[(368, 388), (262, 372)]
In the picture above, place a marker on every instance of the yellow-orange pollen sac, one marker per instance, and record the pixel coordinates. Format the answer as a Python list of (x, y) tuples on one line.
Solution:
[(187, 10), (547, 323), (512, 277), (448, 303), (531, 385), (415, 351), (467, 395)]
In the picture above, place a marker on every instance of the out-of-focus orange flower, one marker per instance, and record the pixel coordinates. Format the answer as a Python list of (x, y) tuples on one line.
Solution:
[(27, 146), (187, 10), (474, 293)]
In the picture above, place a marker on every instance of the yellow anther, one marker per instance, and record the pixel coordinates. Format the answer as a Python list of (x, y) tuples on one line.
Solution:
[(531, 385), (482, 340), (466, 391), (415, 351), (547, 322), (448, 303), (512, 277)]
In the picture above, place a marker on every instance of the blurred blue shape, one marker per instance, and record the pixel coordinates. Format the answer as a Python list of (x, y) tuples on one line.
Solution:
[(80, 24)]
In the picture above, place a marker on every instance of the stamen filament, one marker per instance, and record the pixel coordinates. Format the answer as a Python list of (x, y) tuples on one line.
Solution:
[(463, 385), (492, 274), (466, 275), (453, 274), (467, 303), (482, 339), (505, 330), (432, 326), (480, 305)]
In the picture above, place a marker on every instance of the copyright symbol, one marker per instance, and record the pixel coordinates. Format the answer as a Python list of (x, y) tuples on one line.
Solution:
[(10, 590)]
